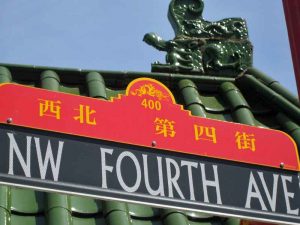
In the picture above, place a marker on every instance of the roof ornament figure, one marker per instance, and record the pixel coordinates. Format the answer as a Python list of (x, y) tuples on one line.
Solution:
[(200, 46)]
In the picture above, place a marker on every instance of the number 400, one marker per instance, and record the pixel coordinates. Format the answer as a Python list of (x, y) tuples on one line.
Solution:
[(151, 104)]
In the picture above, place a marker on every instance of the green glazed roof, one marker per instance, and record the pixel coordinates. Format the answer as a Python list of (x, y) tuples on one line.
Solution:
[(252, 98)]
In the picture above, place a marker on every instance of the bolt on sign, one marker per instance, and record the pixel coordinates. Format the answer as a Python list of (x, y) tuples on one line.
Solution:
[(147, 115), (105, 149), (57, 162)]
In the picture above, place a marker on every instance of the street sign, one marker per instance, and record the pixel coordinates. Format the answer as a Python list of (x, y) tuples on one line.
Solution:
[(107, 170), (146, 115)]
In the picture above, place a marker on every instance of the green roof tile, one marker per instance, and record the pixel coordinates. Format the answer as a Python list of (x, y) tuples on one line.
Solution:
[(114, 93), (274, 85), (220, 116), (214, 103), (142, 211), (111, 206), (232, 221), (71, 89), (32, 201), (5, 75), (58, 216), (27, 220), (5, 198), (118, 218), (290, 127), (271, 98), (5, 218), (84, 205), (238, 104), (50, 80), (57, 201), (233, 96), (197, 215), (96, 85), (175, 218), (191, 97)]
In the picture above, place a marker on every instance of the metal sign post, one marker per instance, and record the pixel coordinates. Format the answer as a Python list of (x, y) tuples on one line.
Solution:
[(292, 15)]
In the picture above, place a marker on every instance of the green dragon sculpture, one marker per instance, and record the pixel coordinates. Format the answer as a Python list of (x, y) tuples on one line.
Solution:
[(200, 46)]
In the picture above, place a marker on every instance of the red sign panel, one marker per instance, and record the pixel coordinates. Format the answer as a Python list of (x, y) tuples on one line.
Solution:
[(146, 116)]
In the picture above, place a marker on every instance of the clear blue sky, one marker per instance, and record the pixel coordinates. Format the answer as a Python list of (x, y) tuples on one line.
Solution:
[(107, 35)]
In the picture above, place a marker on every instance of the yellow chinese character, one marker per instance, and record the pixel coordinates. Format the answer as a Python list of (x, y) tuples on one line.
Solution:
[(245, 141), (164, 127), (49, 108), (85, 115), (205, 133)]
